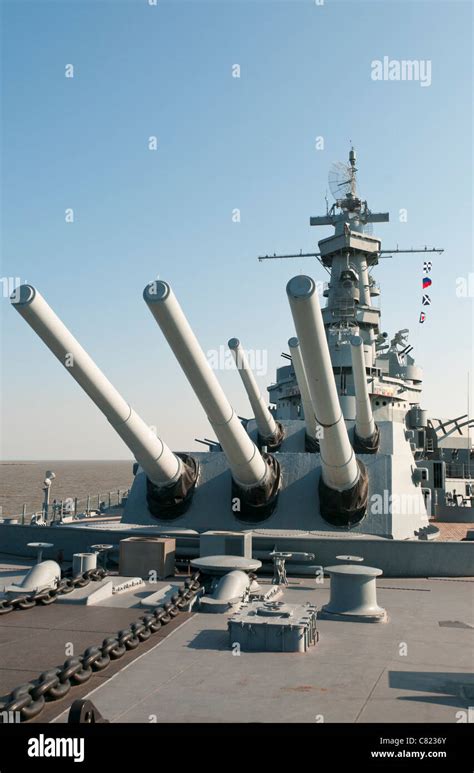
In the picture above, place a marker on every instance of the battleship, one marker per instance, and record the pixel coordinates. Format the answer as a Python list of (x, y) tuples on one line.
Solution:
[(340, 504)]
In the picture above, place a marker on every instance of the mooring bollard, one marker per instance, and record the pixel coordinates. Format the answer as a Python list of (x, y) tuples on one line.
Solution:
[(353, 594)]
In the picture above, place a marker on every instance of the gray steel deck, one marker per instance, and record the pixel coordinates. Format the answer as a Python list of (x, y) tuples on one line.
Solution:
[(35, 640), (357, 673)]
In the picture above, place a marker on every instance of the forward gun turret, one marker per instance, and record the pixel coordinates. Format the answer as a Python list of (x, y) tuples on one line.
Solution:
[(171, 478), (256, 476)]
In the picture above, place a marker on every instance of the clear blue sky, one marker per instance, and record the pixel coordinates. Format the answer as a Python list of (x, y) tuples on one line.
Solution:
[(223, 143)]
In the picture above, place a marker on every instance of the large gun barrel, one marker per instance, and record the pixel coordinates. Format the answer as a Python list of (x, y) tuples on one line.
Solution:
[(366, 436), (309, 417), (251, 471), (269, 431), (343, 485), (340, 469), (161, 466)]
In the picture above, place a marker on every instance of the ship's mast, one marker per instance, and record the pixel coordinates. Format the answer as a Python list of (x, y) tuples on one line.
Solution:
[(348, 256)]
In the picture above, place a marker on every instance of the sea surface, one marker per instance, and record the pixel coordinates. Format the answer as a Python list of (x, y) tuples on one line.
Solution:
[(22, 483)]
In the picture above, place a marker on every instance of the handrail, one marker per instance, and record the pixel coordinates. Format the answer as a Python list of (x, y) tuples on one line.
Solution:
[(459, 470), (81, 505)]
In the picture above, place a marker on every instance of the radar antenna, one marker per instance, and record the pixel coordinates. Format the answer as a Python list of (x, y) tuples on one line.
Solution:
[(355, 214), (342, 178)]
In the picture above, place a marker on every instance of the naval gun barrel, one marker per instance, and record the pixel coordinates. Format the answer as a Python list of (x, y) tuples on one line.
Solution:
[(302, 381), (269, 431), (343, 485), (366, 437), (256, 477), (340, 469), (161, 466)]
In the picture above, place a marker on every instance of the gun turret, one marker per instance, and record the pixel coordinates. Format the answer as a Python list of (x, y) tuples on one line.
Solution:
[(311, 440), (255, 476), (343, 485), (171, 478), (270, 433), (366, 434)]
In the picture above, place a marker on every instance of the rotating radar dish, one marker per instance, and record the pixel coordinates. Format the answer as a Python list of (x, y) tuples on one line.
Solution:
[(341, 180)]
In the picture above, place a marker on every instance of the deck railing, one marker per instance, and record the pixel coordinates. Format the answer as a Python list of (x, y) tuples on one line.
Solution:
[(459, 470), (70, 506)]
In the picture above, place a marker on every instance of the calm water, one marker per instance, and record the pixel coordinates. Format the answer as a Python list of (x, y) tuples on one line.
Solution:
[(22, 482)]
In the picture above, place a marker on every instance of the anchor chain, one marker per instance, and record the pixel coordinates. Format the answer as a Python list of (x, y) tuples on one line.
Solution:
[(49, 595), (30, 699)]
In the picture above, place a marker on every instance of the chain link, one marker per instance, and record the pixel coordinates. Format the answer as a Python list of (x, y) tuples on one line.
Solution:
[(49, 595), (30, 699)]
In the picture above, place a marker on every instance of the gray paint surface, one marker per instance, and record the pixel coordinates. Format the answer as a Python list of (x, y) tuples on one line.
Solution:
[(397, 558), (298, 502), (355, 674)]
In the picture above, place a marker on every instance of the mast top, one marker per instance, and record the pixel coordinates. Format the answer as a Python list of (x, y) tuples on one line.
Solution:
[(348, 210), (352, 221)]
